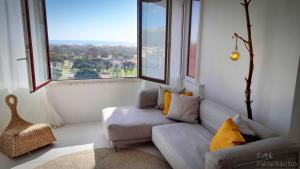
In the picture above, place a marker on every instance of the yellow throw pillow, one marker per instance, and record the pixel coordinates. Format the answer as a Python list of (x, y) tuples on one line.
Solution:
[(168, 96), (227, 136), (168, 99)]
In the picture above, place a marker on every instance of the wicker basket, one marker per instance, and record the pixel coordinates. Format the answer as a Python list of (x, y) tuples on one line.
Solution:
[(21, 136)]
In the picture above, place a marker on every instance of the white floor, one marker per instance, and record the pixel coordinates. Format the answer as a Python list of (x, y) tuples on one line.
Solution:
[(70, 138)]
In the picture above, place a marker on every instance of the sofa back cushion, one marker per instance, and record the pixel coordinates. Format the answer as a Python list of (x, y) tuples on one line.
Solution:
[(260, 130), (213, 115), (147, 98)]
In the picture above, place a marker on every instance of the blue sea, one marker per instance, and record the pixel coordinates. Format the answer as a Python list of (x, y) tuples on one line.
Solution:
[(96, 43)]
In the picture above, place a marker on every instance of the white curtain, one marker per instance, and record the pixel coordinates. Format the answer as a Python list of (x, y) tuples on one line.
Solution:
[(176, 42), (33, 107)]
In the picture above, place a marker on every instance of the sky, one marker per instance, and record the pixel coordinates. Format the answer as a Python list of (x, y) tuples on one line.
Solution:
[(154, 16), (96, 20)]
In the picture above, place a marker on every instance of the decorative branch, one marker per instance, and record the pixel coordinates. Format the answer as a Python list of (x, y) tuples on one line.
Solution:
[(241, 38), (246, 46), (248, 90), (246, 3), (235, 35), (249, 46)]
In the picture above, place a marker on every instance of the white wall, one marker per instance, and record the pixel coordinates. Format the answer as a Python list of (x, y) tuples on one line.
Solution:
[(83, 102), (276, 34), (73, 102)]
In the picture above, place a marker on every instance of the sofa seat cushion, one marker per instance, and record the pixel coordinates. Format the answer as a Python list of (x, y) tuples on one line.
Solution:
[(183, 145), (129, 123)]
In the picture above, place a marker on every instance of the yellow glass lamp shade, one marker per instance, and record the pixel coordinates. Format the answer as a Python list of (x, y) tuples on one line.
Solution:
[(235, 55)]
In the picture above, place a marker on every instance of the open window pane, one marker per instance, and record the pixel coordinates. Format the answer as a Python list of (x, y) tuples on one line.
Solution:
[(153, 39), (92, 39), (194, 33), (37, 43)]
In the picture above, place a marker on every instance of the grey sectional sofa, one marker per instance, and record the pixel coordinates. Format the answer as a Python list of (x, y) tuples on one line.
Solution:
[(186, 146), (128, 125)]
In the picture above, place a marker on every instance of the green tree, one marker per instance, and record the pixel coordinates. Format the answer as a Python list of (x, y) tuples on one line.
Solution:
[(77, 63), (104, 54), (108, 64), (116, 71), (128, 66), (56, 58), (86, 73), (85, 65), (100, 66)]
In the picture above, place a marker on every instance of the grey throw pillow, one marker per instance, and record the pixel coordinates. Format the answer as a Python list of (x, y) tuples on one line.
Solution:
[(184, 108), (161, 95), (147, 98)]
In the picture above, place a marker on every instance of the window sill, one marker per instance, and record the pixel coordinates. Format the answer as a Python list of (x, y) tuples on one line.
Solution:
[(192, 80), (195, 85), (95, 81)]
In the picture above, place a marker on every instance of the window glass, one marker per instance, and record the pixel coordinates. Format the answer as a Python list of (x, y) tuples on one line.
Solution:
[(153, 39), (194, 33), (92, 39), (38, 43)]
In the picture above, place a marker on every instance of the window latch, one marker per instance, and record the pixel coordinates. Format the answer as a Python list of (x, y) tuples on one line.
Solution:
[(21, 59)]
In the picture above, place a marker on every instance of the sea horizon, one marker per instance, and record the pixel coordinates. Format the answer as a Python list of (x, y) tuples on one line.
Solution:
[(93, 42)]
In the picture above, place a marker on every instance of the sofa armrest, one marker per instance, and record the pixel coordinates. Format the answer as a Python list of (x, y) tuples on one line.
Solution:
[(147, 98), (259, 154)]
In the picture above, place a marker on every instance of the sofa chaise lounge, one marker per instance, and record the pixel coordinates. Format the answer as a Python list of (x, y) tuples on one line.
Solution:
[(186, 145)]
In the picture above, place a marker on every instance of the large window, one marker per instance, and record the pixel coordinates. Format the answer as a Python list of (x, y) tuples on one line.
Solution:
[(96, 39), (193, 38), (153, 40), (92, 39)]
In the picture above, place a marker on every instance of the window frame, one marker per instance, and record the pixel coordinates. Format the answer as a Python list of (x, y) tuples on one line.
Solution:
[(187, 63), (29, 49), (30, 56), (167, 44)]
